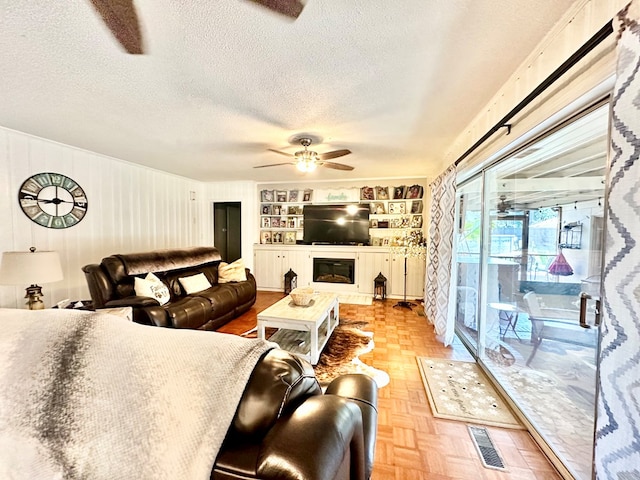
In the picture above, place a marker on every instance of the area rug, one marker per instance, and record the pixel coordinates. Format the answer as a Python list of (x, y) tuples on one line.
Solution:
[(458, 390), (340, 356)]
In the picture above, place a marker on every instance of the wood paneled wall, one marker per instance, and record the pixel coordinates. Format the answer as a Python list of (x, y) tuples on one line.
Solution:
[(131, 208)]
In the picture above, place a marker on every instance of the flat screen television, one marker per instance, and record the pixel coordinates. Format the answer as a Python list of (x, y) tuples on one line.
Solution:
[(336, 224)]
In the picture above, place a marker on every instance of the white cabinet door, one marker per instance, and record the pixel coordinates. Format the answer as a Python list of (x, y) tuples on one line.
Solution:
[(415, 277), (297, 259), (368, 266), (268, 269)]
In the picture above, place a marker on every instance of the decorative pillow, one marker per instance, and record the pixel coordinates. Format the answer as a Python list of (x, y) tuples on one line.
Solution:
[(232, 272), (194, 283), (152, 286)]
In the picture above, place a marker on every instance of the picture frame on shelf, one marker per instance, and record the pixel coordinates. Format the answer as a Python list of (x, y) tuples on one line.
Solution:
[(366, 193), (266, 209), (416, 206), (290, 238), (277, 237), (404, 222), (416, 221), (373, 223), (277, 209), (397, 208), (293, 196), (307, 195), (414, 191), (395, 222), (266, 195), (281, 196), (292, 210), (383, 223), (385, 241), (376, 241), (377, 208), (399, 192), (265, 236), (382, 193), (291, 223), (275, 222), (266, 222)]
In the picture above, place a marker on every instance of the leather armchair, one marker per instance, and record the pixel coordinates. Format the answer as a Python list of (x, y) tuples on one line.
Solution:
[(286, 428)]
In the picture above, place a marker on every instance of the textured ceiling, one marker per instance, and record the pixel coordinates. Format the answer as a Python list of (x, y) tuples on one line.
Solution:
[(222, 81)]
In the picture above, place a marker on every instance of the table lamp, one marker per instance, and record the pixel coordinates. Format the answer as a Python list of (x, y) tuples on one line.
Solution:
[(19, 268)]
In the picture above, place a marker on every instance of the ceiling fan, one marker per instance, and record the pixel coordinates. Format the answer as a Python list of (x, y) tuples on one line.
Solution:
[(505, 208), (307, 160), (121, 18)]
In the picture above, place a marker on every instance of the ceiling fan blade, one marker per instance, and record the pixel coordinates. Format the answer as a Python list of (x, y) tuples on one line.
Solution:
[(337, 166), (290, 8), (334, 154), (275, 164), (281, 153), (121, 18)]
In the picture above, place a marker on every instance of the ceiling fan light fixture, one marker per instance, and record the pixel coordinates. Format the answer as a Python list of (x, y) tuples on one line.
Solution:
[(306, 160)]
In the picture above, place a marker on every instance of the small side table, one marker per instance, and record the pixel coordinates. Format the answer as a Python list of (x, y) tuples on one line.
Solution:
[(507, 313)]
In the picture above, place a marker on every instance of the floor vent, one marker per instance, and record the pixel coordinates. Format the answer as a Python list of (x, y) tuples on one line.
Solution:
[(488, 453)]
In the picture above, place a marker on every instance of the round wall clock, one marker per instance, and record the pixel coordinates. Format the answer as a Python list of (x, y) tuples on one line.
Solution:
[(52, 200)]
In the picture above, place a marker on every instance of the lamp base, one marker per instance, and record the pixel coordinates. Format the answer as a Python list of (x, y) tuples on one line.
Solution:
[(34, 292), (405, 304)]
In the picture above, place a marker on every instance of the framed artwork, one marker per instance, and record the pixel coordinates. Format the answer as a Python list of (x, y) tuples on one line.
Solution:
[(293, 195), (377, 208), (414, 191), (382, 193), (292, 210), (397, 207), (265, 237), (266, 209), (395, 222), (281, 196), (290, 238), (266, 222), (373, 223), (306, 196), (277, 237), (385, 241), (277, 209), (366, 193), (399, 192), (267, 195), (376, 241), (416, 206), (416, 221), (291, 223), (383, 223)]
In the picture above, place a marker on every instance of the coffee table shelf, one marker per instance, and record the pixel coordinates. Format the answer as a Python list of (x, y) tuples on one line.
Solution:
[(303, 331)]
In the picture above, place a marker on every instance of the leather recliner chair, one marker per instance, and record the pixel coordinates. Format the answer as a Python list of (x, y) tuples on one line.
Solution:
[(286, 428)]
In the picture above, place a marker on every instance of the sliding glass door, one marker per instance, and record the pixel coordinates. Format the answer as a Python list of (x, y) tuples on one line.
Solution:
[(530, 259)]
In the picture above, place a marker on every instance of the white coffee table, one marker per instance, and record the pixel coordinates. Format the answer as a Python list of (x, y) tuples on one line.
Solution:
[(303, 331)]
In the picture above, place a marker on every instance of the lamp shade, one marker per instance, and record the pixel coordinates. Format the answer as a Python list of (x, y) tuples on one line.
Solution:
[(23, 268)]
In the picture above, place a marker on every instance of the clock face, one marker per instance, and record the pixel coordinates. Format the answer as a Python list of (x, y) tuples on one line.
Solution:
[(52, 200)]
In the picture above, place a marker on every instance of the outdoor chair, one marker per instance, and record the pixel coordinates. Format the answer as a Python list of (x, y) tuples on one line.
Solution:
[(556, 324)]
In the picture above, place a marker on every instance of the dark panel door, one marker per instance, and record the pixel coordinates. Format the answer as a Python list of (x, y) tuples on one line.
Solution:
[(226, 230)]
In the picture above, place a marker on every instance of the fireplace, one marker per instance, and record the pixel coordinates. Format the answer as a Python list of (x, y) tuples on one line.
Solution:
[(334, 270)]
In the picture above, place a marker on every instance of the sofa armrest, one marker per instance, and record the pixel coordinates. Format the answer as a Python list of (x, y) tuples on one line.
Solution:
[(146, 310), (363, 391), (135, 302), (314, 441)]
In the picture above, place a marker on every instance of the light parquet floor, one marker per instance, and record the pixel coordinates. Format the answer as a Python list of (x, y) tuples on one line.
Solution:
[(411, 443)]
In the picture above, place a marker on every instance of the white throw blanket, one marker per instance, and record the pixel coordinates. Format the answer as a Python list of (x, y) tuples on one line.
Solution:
[(88, 396)]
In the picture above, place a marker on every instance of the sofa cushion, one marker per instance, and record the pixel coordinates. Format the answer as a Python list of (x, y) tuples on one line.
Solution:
[(188, 312), (232, 272), (194, 283), (151, 286), (245, 291), (222, 298)]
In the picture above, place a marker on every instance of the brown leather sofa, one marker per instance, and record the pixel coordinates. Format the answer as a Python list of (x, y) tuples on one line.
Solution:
[(286, 428), (111, 284)]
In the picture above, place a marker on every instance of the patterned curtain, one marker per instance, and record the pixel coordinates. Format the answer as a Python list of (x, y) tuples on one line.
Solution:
[(441, 227), (617, 453)]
